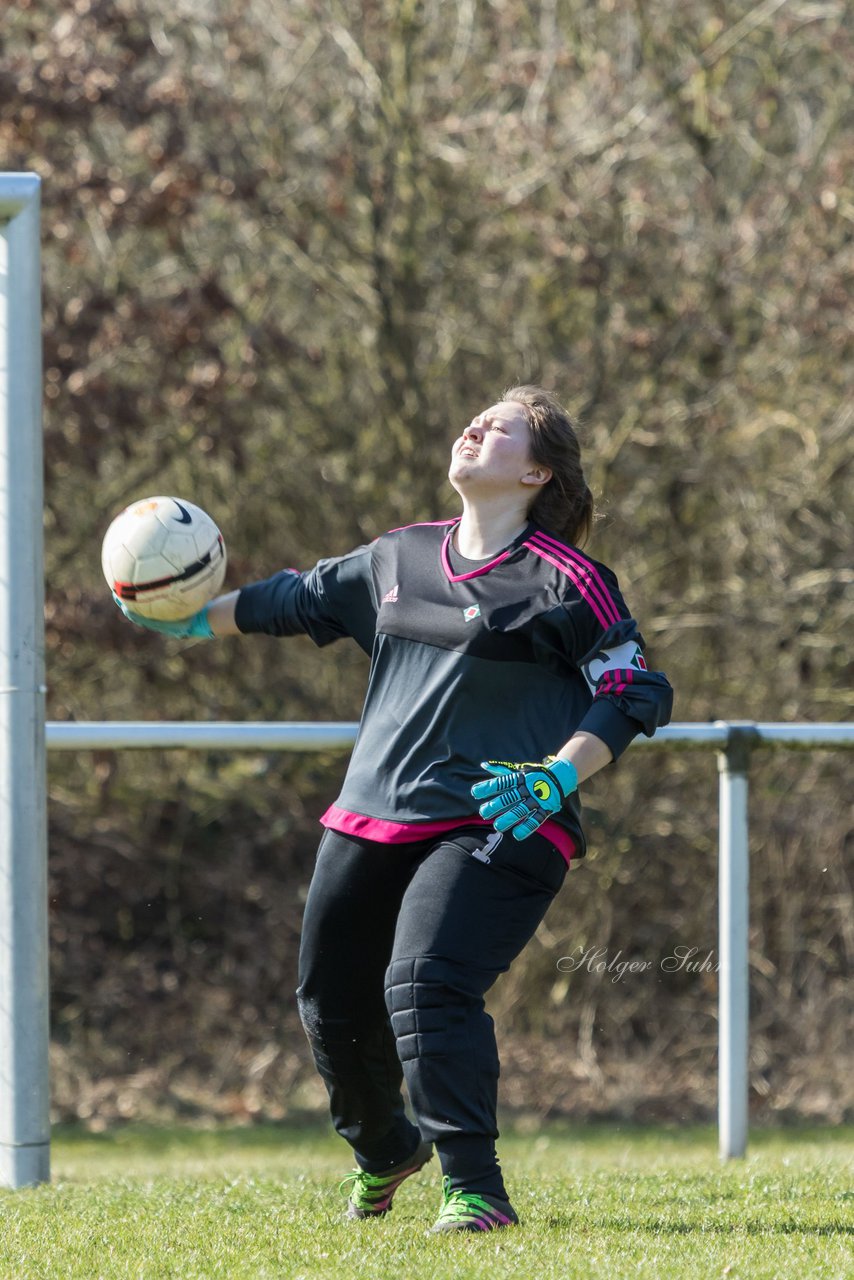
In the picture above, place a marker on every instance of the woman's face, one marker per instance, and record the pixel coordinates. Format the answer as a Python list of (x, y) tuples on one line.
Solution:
[(493, 453)]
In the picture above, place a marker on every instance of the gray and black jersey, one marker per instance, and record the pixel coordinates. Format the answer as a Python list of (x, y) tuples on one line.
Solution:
[(497, 660)]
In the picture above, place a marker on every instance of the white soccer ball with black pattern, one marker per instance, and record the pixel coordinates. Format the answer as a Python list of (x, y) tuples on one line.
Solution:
[(164, 558)]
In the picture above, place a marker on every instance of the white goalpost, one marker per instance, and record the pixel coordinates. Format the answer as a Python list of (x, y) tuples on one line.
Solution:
[(24, 1099)]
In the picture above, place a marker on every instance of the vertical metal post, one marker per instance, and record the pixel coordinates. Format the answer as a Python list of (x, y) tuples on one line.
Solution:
[(733, 913), (24, 1099)]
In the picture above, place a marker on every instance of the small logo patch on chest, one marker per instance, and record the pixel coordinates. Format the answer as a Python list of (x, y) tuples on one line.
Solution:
[(472, 612)]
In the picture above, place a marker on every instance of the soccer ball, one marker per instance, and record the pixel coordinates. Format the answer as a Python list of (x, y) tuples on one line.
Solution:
[(164, 558)]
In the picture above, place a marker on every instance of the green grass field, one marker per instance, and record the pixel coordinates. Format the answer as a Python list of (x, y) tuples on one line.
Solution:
[(595, 1201)]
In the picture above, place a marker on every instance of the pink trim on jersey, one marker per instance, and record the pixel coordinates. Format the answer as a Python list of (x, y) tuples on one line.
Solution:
[(384, 831), (560, 838), (475, 573), (570, 573), (608, 683), (587, 568)]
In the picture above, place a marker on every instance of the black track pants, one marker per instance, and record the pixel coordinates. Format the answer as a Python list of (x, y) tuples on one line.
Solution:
[(400, 943)]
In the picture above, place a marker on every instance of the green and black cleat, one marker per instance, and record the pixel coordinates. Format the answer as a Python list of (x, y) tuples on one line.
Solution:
[(371, 1194), (467, 1211)]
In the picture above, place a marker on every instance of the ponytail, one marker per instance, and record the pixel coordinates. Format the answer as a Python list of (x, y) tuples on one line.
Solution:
[(564, 505)]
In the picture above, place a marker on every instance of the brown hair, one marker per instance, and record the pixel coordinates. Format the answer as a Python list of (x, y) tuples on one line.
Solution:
[(564, 504)]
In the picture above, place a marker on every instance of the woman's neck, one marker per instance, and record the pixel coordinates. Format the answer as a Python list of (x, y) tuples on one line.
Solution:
[(484, 531)]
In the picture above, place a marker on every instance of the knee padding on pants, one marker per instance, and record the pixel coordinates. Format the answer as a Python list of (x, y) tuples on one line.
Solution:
[(434, 1010)]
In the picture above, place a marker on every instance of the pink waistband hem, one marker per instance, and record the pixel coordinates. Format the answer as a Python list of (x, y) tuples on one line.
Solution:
[(383, 831)]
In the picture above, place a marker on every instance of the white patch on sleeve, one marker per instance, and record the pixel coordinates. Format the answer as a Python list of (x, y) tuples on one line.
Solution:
[(621, 656)]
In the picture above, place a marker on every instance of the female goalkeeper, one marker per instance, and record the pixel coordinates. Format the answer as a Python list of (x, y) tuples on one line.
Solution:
[(497, 648)]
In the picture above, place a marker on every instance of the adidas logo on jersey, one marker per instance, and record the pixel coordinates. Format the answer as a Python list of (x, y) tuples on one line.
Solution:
[(390, 597)]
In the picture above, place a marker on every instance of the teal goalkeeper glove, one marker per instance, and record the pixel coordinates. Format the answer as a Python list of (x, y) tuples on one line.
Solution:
[(519, 797), (196, 626)]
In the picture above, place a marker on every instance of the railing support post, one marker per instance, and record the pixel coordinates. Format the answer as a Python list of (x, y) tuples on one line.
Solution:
[(733, 915), (24, 1093)]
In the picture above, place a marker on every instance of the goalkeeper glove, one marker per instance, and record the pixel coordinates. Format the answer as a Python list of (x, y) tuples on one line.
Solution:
[(519, 797), (196, 626)]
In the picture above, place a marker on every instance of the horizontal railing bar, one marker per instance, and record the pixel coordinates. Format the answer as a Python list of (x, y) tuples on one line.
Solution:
[(216, 735), (199, 735), (806, 735)]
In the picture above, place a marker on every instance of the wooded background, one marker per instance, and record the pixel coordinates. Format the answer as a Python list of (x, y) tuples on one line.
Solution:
[(289, 250)]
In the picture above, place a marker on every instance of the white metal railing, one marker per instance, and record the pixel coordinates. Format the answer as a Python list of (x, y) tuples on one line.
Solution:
[(271, 735), (734, 742)]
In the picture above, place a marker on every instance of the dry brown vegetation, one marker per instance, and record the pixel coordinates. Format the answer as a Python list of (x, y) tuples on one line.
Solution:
[(288, 249)]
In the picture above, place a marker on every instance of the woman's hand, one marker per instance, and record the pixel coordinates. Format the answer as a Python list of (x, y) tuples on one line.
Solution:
[(520, 797), (196, 626)]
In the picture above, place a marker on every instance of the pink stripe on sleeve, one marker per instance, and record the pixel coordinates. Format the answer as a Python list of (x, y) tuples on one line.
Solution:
[(587, 569), (613, 682), (627, 681), (571, 573)]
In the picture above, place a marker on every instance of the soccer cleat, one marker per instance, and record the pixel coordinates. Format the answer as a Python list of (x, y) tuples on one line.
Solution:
[(371, 1193), (467, 1211)]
